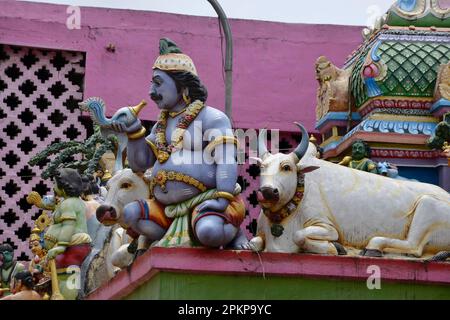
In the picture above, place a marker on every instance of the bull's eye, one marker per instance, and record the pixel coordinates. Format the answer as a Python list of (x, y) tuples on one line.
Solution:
[(125, 185), (286, 167)]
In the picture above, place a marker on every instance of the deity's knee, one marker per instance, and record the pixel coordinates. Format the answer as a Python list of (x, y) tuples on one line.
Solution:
[(210, 232)]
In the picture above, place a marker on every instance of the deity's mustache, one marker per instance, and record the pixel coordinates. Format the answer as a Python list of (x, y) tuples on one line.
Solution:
[(155, 96)]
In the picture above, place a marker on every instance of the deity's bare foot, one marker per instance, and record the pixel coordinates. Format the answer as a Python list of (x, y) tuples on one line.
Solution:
[(239, 242)]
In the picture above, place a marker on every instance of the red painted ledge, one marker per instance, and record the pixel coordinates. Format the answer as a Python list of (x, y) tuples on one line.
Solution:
[(208, 261)]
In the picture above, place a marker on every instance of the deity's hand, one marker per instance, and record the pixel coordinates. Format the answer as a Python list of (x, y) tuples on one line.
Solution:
[(122, 127), (52, 253), (217, 205)]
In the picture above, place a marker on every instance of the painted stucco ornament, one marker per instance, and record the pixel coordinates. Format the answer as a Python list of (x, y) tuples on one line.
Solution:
[(194, 198), (391, 91), (343, 211), (37, 266), (8, 268), (66, 239), (332, 94), (411, 9), (441, 137), (359, 159)]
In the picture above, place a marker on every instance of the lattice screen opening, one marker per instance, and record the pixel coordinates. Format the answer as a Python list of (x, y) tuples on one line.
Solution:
[(39, 94)]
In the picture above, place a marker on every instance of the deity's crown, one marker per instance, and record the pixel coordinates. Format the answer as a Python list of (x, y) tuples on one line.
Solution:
[(172, 59), (35, 235)]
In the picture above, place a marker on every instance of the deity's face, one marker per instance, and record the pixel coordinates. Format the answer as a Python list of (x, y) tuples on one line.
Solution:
[(35, 247), (164, 91), (358, 151), (6, 258)]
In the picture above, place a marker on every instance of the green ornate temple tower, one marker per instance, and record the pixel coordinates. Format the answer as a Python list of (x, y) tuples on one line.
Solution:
[(392, 91)]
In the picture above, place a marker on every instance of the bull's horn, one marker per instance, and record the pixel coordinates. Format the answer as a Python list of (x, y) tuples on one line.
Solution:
[(303, 146), (136, 109), (262, 148)]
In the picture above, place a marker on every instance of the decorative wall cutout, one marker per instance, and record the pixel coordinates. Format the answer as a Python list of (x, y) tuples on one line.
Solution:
[(39, 92)]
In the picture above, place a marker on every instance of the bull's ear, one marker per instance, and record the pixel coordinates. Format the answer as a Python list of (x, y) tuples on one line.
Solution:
[(307, 169), (258, 161)]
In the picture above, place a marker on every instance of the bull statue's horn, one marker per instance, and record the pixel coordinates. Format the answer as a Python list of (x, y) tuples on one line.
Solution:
[(136, 109), (303, 146), (262, 148)]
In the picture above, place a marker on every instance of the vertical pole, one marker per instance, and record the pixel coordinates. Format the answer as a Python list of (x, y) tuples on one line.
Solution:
[(56, 294), (228, 55)]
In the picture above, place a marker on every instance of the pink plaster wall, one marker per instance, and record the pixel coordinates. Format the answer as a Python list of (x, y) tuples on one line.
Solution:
[(273, 80)]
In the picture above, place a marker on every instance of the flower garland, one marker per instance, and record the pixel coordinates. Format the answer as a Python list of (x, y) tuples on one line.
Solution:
[(189, 116)]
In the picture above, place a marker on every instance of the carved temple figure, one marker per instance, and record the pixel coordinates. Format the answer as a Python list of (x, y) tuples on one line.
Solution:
[(409, 9), (192, 150), (442, 90), (67, 240), (390, 170), (8, 268), (316, 206), (332, 94), (360, 158), (98, 266), (123, 188), (37, 266), (22, 287)]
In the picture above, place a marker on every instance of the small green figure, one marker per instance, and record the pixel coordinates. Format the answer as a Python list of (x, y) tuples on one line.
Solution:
[(359, 159), (8, 268)]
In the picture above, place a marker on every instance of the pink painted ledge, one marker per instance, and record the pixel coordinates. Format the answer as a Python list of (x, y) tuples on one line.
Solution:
[(227, 262)]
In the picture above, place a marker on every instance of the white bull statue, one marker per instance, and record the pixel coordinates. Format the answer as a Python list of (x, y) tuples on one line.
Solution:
[(316, 206), (123, 188)]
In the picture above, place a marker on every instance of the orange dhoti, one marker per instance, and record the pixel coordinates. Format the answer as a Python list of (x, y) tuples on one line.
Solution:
[(180, 226)]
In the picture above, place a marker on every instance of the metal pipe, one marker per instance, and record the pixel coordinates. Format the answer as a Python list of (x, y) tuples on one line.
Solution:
[(228, 55)]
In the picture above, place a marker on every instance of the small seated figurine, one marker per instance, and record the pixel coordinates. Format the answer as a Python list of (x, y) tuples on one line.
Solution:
[(8, 268), (37, 250), (359, 159), (37, 267), (192, 151), (67, 240), (22, 287)]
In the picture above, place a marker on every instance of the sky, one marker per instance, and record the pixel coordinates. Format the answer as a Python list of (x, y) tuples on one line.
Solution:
[(341, 12)]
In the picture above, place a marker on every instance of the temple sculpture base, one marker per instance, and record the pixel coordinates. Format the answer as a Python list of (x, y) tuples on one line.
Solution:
[(185, 273)]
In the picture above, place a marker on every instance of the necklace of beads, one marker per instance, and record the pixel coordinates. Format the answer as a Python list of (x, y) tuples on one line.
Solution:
[(164, 150)]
